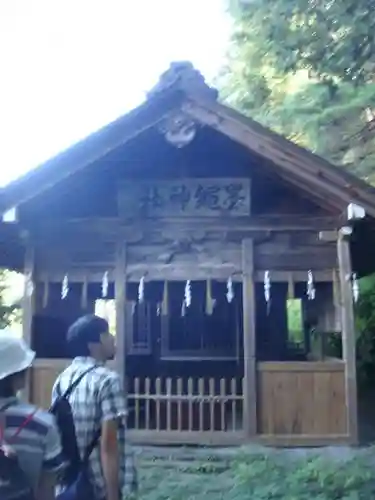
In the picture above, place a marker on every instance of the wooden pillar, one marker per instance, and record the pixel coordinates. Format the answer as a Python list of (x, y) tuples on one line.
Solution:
[(348, 335), (250, 368), (120, 302), (28, 305)]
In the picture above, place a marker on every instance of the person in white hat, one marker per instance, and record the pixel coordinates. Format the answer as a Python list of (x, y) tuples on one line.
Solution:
[(15, 359), (31, 431)]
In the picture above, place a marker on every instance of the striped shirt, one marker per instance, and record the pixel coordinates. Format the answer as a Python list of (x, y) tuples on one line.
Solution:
[(37, 446), (99, 397)]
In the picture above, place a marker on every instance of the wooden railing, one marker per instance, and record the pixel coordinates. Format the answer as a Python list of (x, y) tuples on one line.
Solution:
[(190, 405), (298, 403)]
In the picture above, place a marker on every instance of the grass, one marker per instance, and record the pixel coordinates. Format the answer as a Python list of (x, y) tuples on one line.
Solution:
[(257, 476)]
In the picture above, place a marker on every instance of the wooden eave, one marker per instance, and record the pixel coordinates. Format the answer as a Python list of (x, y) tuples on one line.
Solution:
[(89, 150), (296, 165)]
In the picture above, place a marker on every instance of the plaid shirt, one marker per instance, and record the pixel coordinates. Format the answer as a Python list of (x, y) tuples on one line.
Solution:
[(98, 397)]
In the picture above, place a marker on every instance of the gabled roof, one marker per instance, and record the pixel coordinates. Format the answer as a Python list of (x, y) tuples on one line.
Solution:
[(182, 88)]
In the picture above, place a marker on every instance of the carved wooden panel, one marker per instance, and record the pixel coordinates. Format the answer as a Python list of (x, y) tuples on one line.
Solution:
[(167, 250), (184, 253), (185, 198)]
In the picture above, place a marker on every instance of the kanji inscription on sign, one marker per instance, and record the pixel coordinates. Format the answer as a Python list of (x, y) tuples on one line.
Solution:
[(187, 197)]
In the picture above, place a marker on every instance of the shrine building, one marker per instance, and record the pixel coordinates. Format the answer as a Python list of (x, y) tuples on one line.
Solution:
[(225, 257)]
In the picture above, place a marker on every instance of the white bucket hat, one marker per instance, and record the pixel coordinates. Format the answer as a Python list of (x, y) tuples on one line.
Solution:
[(15, 355)]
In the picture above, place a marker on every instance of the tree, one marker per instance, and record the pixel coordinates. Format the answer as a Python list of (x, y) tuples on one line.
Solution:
[(298, 68), (333, 39), (8, 309)]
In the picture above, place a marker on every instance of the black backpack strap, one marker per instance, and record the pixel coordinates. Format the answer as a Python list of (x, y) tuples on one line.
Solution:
[(72, 386), (90, 448)]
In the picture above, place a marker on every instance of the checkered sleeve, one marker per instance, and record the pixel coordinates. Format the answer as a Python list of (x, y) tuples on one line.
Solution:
[(112, 399)]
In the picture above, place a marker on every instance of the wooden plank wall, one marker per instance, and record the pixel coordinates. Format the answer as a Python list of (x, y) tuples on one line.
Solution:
[(43, 376), (302, 400)]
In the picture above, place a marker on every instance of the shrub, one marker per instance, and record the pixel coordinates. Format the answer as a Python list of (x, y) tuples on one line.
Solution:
[(272, 476)]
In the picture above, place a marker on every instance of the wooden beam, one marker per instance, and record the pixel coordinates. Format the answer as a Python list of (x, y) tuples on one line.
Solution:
[(201, 438), (348, 335), (110, 226), (28, 304), (250, 368), (230, 438), (334, 365), (302, 440), (175, 273), (120, 302)]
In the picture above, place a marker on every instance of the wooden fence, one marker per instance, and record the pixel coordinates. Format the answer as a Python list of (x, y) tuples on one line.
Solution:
[(298, 404), (191, 406)]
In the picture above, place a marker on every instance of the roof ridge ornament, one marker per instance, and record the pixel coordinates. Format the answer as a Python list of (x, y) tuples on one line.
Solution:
[(178, 129), (181, 75)]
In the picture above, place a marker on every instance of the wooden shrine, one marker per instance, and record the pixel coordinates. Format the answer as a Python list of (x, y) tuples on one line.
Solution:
[(193, 227)]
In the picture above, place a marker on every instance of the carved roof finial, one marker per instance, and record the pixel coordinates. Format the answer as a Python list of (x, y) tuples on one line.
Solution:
[(182, 75)]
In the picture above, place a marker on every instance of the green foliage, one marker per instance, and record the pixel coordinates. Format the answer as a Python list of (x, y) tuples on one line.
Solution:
[(273, 476), (305, 70), (295, 320), (332, 39), (307, 479), (9, 312), (365, 324)]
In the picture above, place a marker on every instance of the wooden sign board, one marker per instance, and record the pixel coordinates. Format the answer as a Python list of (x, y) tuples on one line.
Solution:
[(186, 198)]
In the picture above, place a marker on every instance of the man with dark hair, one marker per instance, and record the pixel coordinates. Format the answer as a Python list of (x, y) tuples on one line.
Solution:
[(98, 403), (30, 432)]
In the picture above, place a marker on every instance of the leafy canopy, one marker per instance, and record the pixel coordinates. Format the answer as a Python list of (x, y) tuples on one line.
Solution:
[(304, 69)]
